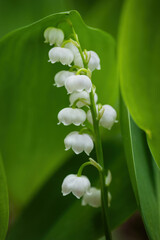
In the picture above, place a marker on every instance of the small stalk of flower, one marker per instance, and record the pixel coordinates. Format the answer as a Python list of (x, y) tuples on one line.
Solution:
[(82, 94)]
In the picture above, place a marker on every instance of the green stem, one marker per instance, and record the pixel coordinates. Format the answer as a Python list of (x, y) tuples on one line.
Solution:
[(91, 162), (81, 168), (79, 48), (99, 153)]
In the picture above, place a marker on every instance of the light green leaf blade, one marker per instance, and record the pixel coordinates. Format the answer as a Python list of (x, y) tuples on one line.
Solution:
[(31, 142), (4, 204), (52, 216), (139, 65), (144, 173)]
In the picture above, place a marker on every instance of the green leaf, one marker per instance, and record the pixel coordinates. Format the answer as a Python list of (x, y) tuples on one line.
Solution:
[(4, 204), (144, 173), (139, 65), (52, 216), (31, 142)]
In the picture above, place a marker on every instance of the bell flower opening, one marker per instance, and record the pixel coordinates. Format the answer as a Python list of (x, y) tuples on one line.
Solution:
[(74, 116), (78, 142), (62, 55), (78, 83), (92, 198), (61, 77), (77, 185), (54, 36)]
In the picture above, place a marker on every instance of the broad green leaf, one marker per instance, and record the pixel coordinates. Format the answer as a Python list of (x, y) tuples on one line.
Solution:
[(4, 204), (30, 140), (52, 216), (144, 173), (139, 65)]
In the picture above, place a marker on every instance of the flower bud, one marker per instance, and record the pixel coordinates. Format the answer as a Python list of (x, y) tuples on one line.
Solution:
[(77, 185), (108, 118), (77, 56), (61, 76), (78, 83), (92, 197), (109, 199), (94, 61), (81, 95), (54, 36), (79, 142), (108, 178), (62, 55), (68, 116)]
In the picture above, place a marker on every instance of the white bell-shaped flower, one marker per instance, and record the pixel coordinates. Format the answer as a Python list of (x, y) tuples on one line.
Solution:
[(94, 61), (77, 56), (79, 142), (92, 197), (109, 116), (71, 47), (61, 77), (78, 60), (74, 116), (77, 185), (54, 36), (62, 55), (83, 98), (78, 83)]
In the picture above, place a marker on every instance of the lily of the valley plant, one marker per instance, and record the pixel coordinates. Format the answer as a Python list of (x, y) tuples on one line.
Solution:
[(85, 111)]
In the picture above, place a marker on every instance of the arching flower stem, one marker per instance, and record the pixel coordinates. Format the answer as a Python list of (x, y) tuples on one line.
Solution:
[(70, 41), (91, 162)]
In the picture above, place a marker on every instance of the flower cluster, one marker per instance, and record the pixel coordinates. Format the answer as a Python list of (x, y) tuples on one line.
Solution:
[(78, 84)]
